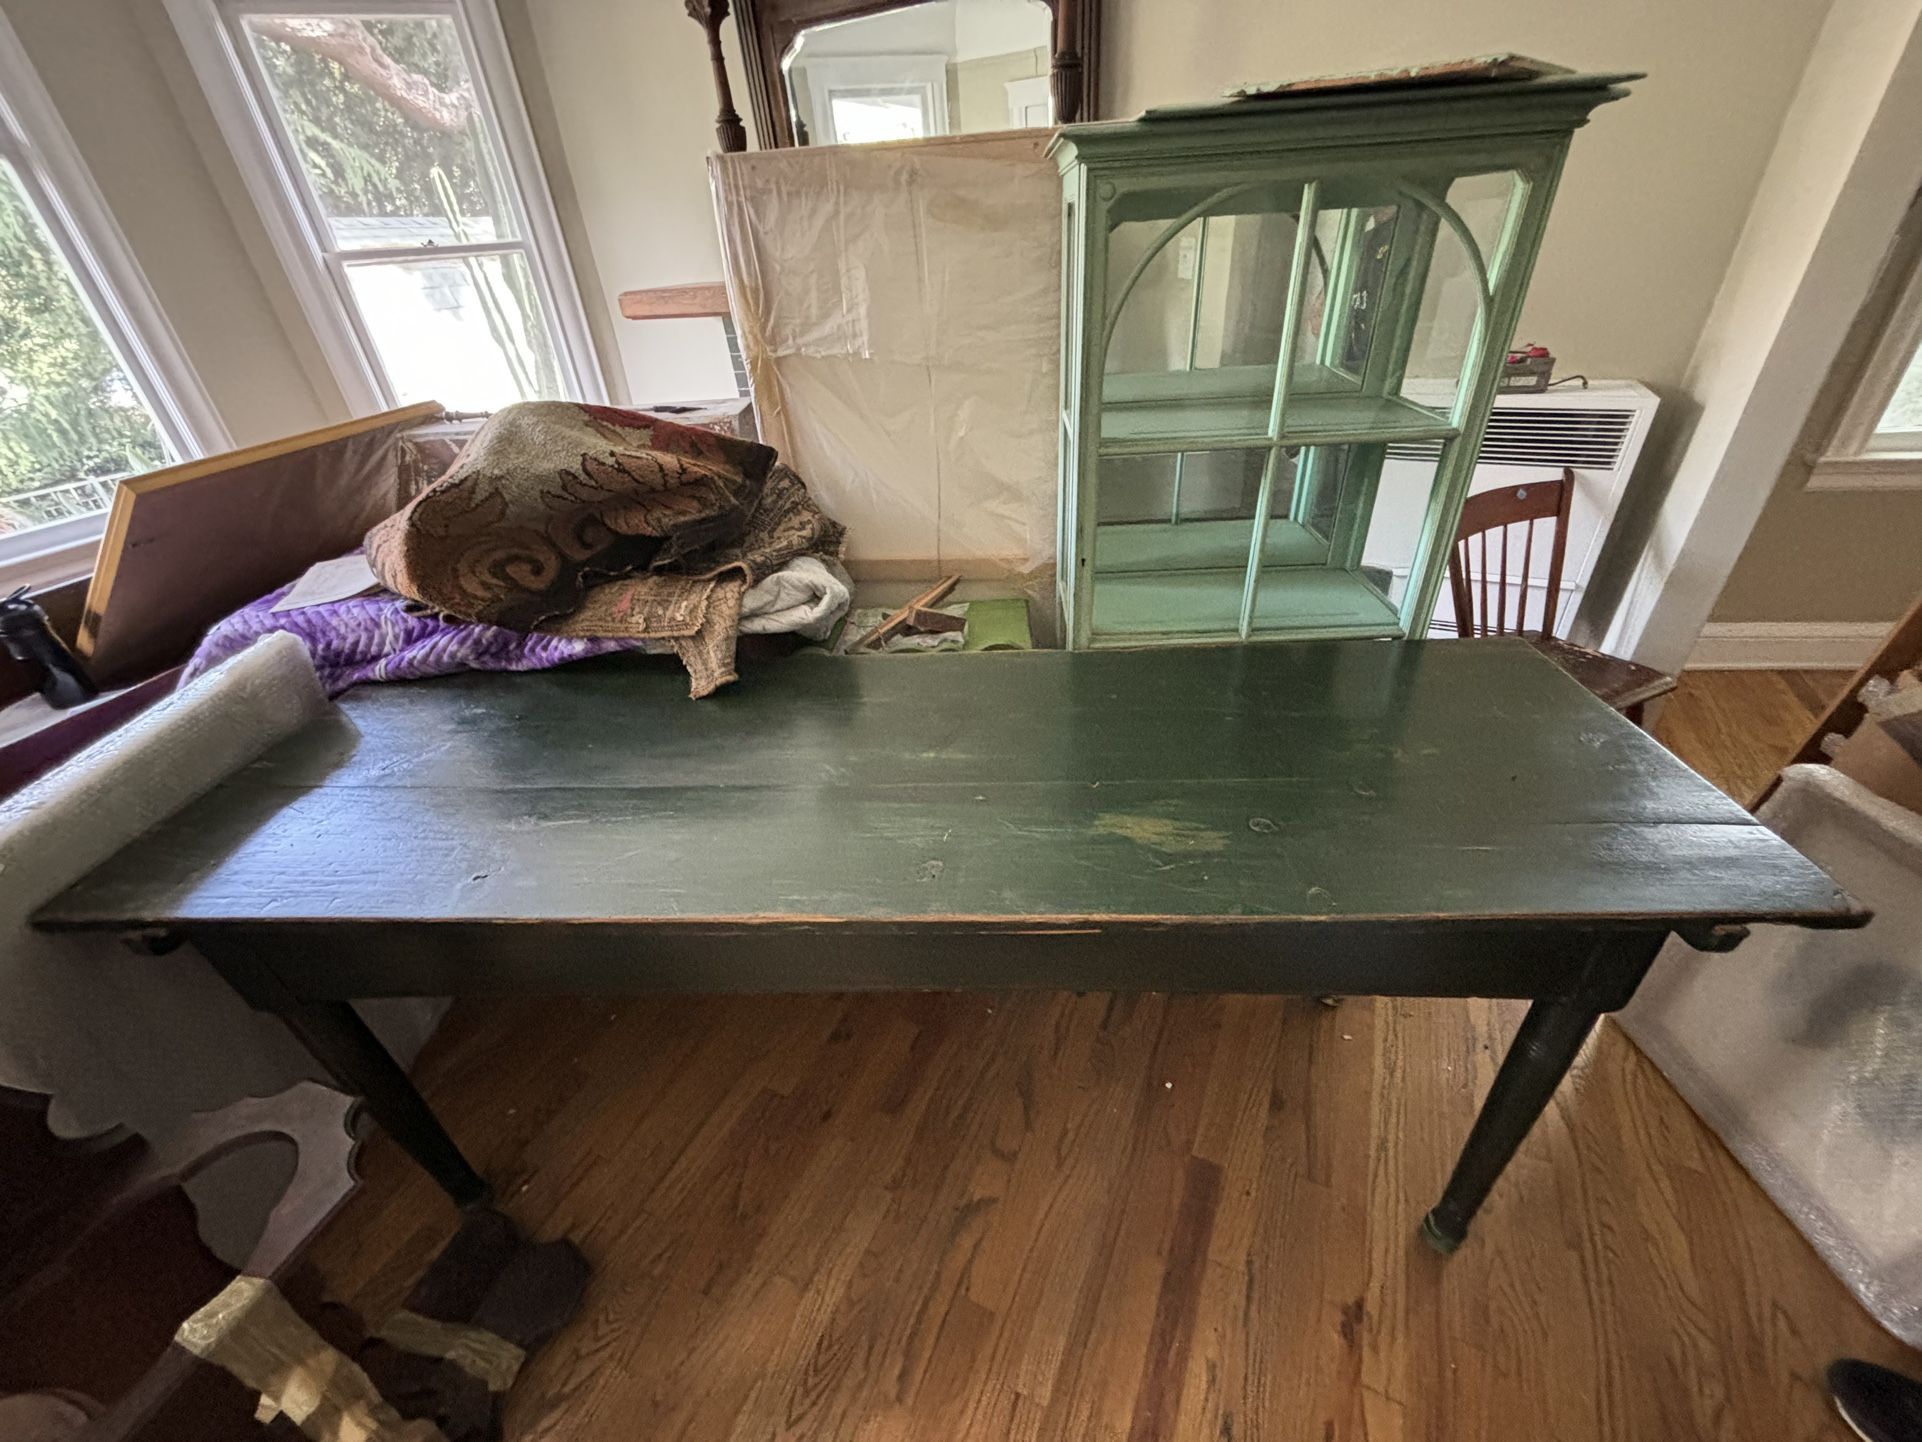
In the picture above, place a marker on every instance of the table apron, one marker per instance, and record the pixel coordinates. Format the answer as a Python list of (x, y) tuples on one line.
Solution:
[(275, 963)]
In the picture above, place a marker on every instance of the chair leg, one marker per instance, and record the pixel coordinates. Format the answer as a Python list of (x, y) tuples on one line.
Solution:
[(1634, 713)]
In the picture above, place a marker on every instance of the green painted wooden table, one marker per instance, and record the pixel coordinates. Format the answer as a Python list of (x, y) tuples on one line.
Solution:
[(1350, 817)]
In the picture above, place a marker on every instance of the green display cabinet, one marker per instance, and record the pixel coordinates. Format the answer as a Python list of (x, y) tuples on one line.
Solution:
[(1266, 301)]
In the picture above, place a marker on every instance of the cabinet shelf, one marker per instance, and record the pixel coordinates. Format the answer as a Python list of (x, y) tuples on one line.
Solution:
[(1214, 544), (1150, 607), (1212, 411)]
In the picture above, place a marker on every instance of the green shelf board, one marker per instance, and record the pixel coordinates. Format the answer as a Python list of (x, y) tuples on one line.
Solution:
[(1155, 426), (1197, 605), (1215, 544)]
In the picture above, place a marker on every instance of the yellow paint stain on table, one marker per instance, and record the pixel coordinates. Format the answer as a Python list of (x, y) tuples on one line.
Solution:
[(1161, 833)]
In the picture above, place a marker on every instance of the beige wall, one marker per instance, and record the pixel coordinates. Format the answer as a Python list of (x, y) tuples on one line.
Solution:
[(1822, 556), (978, 89), (1843, 171), (632, 101), (1655, 189), (101, 62)]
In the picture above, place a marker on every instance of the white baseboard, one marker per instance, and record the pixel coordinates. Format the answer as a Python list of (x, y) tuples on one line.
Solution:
[(1786, 645)]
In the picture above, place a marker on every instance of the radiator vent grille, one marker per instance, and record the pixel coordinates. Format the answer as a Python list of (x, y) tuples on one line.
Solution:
[(1549, 436)]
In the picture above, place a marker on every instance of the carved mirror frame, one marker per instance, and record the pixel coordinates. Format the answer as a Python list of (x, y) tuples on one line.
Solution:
[(769, 27)]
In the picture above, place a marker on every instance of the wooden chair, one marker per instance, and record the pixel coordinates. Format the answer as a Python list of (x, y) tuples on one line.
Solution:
[(1480, 584)]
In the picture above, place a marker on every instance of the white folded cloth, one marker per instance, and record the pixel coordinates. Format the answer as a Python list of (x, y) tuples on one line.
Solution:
[(807, 595)]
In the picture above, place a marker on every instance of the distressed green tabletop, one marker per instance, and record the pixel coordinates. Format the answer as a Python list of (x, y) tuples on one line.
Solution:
[(1436, 781), (1367, 817)]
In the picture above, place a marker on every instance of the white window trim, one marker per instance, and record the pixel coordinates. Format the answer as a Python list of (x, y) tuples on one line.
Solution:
[(1855, 457), (59, 185), (281, 193)]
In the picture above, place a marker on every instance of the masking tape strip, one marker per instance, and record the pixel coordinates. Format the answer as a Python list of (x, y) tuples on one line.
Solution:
[(250, 1332), (475, 1350)]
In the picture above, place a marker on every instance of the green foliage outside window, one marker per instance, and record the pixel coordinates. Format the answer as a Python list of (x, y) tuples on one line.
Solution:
[(385, 119), (383, 115), (67, 410), (367, 149)]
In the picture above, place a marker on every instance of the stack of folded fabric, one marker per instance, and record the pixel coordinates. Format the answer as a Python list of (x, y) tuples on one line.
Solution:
[(564, 531)]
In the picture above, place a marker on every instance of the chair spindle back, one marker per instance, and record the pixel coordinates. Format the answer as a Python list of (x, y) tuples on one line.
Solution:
[(1478, 571)]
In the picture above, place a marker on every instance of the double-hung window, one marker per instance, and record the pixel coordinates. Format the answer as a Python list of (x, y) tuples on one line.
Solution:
[(93, 387), (1875, 441), (387, 150)]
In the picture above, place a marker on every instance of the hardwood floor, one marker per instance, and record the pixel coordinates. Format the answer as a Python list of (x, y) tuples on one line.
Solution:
[(1120, 1217), (1735, 727)]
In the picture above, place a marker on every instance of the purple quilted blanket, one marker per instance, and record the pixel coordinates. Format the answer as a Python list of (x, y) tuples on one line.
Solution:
[(380, 637)]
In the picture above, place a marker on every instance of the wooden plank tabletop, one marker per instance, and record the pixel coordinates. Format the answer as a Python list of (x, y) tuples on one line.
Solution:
[(1421, 782)]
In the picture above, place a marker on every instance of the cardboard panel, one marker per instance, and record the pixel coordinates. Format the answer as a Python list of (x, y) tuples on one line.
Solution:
[(186, 545)]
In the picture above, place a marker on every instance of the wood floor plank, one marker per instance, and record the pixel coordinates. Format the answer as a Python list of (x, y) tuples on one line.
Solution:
[(1056, 1218)]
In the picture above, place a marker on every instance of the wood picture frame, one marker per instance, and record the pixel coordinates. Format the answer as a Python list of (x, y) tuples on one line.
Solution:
[(768, 28), (187, 544)]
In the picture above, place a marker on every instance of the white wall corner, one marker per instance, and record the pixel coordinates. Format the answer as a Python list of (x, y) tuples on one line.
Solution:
[(1844, 169), (1786, 645)]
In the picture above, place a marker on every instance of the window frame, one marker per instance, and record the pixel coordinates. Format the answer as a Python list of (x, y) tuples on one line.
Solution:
[(57, 185), (1855, 457), (283, 195)]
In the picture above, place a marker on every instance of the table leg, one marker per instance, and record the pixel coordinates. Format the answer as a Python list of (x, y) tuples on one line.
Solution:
[(1540, 1056), (354, 1057), (1543, 1050)]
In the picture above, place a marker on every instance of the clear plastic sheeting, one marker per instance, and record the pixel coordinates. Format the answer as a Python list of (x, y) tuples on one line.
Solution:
[(119, 1039), (899, 311), (1803, 1049)]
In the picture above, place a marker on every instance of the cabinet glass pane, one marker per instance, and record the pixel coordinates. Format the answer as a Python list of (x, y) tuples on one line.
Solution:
[(1313, 577), (1450, 303), (1393, 527), (1344, 294), (1171, 541), (1195, 312)]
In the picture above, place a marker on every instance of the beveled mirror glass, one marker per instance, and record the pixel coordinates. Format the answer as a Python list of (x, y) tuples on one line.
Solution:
[(941, 67)]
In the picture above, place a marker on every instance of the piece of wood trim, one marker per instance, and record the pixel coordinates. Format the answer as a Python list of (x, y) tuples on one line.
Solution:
[(1785, 645), (1901, 649), (729, 133), (922, 619), (933, 596), (120, 517), (1869, 472), (675, 302)]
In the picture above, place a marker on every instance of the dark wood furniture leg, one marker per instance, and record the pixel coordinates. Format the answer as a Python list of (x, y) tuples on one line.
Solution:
[(1545, 1047), (355, 1058), (1540, 1056)]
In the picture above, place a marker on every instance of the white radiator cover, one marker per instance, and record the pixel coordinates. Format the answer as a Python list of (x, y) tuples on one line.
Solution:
[(1597, 432)]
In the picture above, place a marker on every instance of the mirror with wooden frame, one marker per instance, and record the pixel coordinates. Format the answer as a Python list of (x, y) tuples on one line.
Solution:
[(826, 72)]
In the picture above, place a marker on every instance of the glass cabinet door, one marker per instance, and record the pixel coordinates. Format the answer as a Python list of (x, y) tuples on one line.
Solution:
[(1261, 345)]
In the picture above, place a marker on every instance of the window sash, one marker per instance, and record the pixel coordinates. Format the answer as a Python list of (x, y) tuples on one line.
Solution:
[(249, 117), (1855, 436), (57, 186)]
